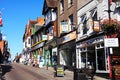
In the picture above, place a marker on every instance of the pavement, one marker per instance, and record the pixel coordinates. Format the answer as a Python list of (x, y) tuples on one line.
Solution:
[(69, 75)]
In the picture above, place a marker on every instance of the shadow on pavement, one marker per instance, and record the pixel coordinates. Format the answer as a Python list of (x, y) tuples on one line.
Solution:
[(5, 68)]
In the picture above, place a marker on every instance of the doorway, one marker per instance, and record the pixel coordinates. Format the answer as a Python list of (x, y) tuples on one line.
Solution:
[(101, 59)]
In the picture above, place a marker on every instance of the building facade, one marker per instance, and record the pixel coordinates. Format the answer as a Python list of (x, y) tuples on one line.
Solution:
[(50, 48), (37, 43), (29, 30), (90, 42), (67, 21)]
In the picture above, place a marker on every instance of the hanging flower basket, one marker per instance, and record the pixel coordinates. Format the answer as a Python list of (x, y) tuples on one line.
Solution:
[(110, 26)]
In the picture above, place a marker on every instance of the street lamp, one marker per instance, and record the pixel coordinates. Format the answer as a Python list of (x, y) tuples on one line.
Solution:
[(109, 17), (109, 32)]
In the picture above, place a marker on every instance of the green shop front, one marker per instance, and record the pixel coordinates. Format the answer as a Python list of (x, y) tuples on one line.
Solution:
[(50, 50), (37, 54)]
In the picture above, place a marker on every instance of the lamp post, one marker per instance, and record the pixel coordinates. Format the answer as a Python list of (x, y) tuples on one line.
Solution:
[(109, 17), (110, 49)]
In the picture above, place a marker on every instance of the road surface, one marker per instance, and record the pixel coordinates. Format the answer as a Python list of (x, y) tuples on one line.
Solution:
[(17, 71)]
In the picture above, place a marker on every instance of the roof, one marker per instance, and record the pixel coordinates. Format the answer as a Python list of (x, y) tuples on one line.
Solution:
[(40, 21), (32, 21), (50, 4)]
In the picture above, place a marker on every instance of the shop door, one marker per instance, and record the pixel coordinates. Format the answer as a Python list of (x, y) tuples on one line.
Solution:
[(101, 59), (91, 59), (83, 59)]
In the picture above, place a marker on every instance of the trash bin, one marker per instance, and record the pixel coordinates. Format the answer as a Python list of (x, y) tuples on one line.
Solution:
[(79, 74), (60, 70)]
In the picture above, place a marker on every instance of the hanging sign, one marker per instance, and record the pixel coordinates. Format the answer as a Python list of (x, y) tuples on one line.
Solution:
[(96, 26)]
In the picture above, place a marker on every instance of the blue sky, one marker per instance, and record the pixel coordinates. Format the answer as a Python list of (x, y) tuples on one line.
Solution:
[(15, 15)]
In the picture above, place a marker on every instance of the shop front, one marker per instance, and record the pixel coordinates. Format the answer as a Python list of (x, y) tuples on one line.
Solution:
[(67, 50), (67, 55), (92, 52), (101, 52), (37, 55), (50, 52)]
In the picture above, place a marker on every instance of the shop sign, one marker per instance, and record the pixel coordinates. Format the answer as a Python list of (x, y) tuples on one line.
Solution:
[(111, 42), (44, 37), (91, 41), (38, 46), (68, 37), (96, 26)]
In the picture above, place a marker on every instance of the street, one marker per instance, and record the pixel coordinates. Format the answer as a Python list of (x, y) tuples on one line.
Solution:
[(17, 71)]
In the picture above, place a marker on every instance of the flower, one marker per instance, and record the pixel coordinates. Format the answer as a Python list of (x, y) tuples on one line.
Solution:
[(110, 26)]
